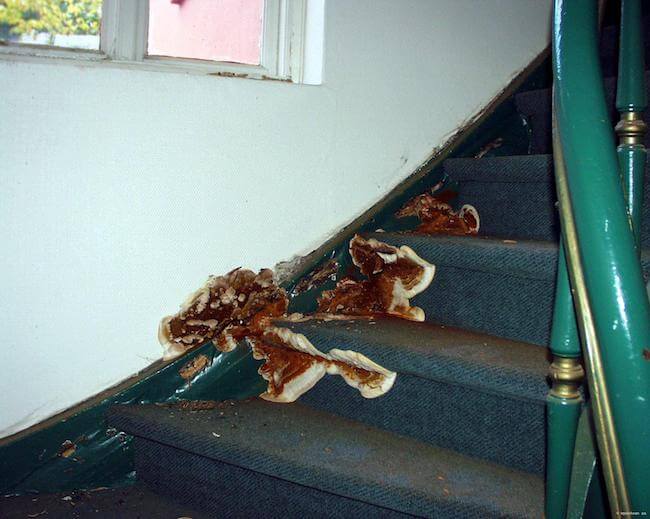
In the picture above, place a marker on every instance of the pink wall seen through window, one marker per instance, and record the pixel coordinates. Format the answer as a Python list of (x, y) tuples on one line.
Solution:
[(218, 30)]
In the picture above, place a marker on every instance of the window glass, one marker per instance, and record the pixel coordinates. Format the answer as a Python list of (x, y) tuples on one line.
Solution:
[(62, 23), (216, 30)]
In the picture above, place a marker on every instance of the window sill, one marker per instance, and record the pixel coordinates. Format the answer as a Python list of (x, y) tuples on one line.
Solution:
[(92, 58)]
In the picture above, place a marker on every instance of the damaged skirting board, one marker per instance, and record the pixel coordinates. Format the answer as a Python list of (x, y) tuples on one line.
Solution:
[(76, 450)]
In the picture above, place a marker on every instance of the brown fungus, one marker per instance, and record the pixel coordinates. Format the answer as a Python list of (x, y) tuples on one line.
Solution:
[(394, 275), (242, 305), (222, 311), (293, 365), (438, 217)]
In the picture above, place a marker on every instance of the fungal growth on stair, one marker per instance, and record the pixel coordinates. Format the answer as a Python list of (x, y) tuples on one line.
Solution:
[(241, 306), (438, 217), (393, 276)]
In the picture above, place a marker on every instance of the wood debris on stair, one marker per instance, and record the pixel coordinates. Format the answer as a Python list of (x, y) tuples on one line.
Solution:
[(438, 217), (242, 306)]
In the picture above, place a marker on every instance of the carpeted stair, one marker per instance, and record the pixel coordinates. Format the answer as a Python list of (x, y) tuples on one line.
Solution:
[(461, 434), (258, 459)]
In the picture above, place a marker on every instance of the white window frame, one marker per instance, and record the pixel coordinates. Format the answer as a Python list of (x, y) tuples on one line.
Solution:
[(123, 43)]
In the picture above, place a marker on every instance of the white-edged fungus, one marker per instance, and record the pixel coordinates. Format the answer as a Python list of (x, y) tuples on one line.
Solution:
[(222, 311), (438, 217), (242, 305), (293, 365), (394, 275)]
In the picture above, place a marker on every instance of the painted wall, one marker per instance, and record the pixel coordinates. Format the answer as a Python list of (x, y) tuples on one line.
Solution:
[(121, 190), (220, 30)]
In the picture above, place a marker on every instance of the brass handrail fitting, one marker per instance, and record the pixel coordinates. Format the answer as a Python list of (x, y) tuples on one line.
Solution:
[(566, 374), (631, 129)]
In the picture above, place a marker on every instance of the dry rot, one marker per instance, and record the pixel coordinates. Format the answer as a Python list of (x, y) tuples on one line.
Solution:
[(242, 305), (393, 276), (438, 217)]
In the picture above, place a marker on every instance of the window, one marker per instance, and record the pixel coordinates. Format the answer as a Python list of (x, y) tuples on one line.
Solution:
[(223, 30), (264, 39), (68, 24)]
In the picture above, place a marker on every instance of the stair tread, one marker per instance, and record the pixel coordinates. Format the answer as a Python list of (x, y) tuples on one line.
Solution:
[(341, 456), (532, 259), (438, 352), (510, 168)]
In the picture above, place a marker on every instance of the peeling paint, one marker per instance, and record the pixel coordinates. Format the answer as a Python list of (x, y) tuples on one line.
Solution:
[(68, 448), (438, 217), (496, 143), (194, 367), (269, 78), (229, 74), (316, 278)]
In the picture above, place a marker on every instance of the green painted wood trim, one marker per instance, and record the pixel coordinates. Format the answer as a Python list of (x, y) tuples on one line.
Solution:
[(564, 331), (606, 241), (632, 160), (562, 414), (586, 497), (630, 93), (631, 102), (103, 456), (562, 421)]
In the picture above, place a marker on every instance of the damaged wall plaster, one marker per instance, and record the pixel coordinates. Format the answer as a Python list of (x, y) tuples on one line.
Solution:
[(120, 189)]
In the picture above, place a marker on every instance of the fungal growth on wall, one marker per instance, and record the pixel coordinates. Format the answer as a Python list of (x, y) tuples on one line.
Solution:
[(437, 216), (243, 306)]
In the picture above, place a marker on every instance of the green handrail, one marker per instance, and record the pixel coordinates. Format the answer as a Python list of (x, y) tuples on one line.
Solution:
[(615, 314)]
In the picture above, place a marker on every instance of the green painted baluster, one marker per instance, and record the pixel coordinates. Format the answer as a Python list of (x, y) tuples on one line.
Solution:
[(631, 103), (611, 274), (563, 403)]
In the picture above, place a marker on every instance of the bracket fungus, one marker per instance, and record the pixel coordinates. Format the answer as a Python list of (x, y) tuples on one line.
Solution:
[(293, 365), (242, 306), (438, 217), (223, 311), (393, 276)]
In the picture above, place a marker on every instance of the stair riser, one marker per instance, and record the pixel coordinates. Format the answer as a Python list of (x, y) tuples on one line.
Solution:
[(449, 416), (494, 303), (536, 106), (526, 210), (513, 210), (541, 140), (224, 490)]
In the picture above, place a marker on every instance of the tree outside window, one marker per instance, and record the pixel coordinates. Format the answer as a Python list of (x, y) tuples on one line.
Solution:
[(64, 23)]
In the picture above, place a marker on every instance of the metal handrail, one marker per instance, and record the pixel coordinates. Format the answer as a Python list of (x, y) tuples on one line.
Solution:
[(602, 257)]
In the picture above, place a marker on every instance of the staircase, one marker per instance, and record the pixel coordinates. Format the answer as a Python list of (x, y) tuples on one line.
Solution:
[(461, 434)]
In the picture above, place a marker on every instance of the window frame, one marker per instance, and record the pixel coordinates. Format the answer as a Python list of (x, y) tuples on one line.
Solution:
[(123, 43)]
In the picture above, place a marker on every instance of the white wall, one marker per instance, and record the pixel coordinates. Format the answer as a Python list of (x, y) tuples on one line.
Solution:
[(121, 190)]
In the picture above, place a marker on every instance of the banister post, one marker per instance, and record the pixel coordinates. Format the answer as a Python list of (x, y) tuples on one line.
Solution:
[(631, 102)]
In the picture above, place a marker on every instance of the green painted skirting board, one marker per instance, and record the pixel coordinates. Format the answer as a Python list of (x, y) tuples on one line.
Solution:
[(104, 457)]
